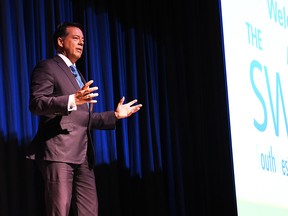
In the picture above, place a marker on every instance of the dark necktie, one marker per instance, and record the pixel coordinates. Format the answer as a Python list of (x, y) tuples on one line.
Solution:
[(77, 76)]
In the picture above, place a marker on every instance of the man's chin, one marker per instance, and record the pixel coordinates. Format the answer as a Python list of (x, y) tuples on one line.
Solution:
[(78, 56)]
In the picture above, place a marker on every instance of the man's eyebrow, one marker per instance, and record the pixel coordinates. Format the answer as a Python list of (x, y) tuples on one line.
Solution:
[(76, 35)]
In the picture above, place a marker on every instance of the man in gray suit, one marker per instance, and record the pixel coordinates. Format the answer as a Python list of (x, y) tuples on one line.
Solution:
[(63, 147)]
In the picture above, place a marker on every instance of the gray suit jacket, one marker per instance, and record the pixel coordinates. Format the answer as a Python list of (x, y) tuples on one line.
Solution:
[(62, 135)]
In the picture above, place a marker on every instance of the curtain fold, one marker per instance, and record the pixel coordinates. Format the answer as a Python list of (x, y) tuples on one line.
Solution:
[(99, 67)]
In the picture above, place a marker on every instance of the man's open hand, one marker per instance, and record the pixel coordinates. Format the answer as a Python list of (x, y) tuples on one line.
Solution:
[(85, 94), (126, 110)]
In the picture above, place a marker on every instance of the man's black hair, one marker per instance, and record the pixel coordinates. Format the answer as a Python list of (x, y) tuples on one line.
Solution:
[(61, 30)]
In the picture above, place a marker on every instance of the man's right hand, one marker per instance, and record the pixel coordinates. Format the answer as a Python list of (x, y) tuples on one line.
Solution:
[(85, 94)]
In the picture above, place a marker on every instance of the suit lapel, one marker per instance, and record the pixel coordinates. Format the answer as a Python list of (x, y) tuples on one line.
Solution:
[(67, 71)]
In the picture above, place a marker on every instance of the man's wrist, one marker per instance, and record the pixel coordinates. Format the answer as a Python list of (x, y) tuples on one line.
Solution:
[(72, 103)]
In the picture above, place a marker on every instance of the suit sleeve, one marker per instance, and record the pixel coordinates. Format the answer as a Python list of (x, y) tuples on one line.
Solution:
[(103, 120), (45, 97)]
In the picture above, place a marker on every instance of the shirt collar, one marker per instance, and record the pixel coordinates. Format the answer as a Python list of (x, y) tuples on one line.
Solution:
[(65, 59)]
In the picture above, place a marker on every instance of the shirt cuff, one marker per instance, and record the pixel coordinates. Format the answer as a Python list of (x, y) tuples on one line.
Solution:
[(71, 103)]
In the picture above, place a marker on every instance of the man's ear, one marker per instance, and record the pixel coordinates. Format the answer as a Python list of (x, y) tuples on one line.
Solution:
[(60, 42)]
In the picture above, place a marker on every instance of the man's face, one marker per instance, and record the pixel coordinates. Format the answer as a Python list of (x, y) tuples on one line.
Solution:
[(72, 44)]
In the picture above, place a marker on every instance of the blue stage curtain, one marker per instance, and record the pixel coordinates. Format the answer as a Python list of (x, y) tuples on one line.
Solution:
[(122, 63)]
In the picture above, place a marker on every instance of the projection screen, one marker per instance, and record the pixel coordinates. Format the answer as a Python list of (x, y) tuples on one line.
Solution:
[(255, 42)]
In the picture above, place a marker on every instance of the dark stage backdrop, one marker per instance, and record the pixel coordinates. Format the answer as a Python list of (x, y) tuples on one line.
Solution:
[(173, 157)]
